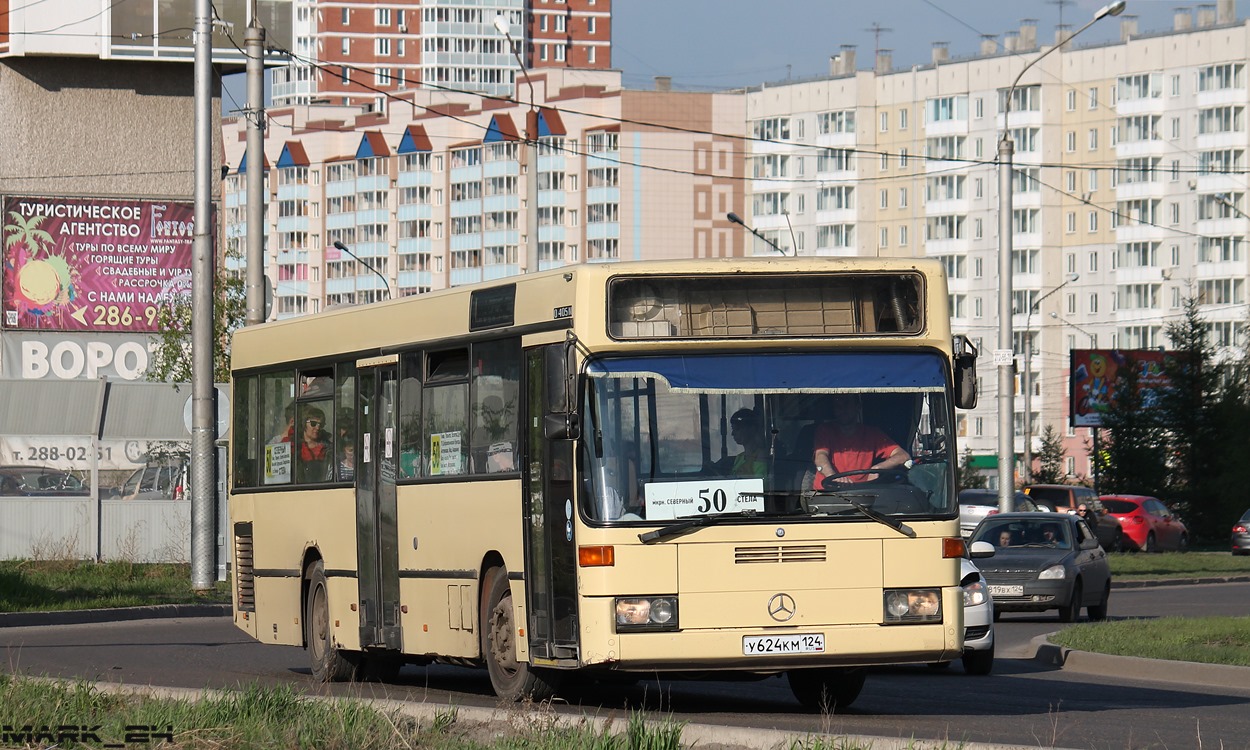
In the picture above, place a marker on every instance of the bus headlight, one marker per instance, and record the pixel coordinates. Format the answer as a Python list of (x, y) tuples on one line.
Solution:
[(646, 613), (907, 606)]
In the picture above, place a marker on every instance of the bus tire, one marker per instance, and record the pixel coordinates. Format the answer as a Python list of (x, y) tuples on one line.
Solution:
[(827, 690), (509, 678), (329, 663)]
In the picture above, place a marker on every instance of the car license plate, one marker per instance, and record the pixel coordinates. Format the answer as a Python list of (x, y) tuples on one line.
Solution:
[(770, 645), (1006, 591)]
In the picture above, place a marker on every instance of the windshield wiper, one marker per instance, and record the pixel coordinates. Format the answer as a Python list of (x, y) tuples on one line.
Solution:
[(683, 525), (893, 523)]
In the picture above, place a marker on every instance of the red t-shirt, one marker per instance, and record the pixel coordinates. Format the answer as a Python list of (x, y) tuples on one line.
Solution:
[(853, 451)]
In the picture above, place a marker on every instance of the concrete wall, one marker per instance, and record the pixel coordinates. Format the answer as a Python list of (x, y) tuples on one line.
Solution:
[(76, 126)]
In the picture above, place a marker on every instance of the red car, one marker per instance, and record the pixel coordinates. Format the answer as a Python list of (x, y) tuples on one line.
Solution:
[(1148, 524)]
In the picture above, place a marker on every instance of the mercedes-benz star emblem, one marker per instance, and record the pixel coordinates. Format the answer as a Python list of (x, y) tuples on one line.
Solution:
[(781, 607)]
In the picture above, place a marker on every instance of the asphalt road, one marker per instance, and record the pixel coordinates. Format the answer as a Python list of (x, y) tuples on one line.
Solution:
[(1022, 703)]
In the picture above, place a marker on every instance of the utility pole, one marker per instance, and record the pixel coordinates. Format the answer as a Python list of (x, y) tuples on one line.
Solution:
[(529, 160), (254, 49), (203, 408)]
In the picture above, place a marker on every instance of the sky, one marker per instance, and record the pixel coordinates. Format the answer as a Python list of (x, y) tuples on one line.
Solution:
[(720, 44), (708, 45)]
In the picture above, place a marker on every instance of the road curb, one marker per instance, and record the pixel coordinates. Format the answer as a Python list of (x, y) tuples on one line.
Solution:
[(1138, 668), (119, 614), (1150, 583)]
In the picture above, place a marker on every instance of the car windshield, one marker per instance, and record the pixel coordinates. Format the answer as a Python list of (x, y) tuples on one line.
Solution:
[(686, 436), (1020, 533)]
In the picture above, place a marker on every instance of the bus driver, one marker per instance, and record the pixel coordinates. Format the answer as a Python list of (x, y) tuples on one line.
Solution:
[(847, 444)]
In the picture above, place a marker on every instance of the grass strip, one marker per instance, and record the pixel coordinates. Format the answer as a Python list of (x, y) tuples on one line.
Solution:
[(1140, 566), (1207, 640), (41, 713), (53, 585)]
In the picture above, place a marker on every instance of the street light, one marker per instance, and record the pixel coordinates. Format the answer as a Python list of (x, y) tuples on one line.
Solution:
[(1028, 375), (338, 244), (530, 163), (1004, 355)]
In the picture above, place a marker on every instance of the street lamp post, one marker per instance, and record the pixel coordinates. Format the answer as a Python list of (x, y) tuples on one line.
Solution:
[(1003, 356), (338, 244), (530, 163), (1093, 344), (1028, 376)]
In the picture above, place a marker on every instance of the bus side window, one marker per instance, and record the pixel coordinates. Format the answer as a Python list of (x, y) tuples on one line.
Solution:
[(277, 424), (496, 391), (445, 403), (410, 463), (345, 423), (244, 432)]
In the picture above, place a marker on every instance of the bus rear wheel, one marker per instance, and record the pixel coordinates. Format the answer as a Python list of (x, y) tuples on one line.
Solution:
[(510, 679), (329, 663), (826, 690)]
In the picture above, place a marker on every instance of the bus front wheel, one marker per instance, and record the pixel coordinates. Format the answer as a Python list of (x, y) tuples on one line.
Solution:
[(329, 663), (510, 679), (826, 690)]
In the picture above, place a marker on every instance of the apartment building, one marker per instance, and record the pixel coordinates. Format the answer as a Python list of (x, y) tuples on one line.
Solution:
[(430, 191), (353, 52), (1129, 191)]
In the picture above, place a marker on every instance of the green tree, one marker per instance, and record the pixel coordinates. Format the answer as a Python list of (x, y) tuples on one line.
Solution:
[(967, 477), (171, 355), (1050, 458), (1133, 448), (1203, 444)]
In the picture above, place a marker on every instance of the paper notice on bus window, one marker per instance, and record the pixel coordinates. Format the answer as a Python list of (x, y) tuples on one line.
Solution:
[(278, 463), (445, 454), (390, 443), (709, 497)]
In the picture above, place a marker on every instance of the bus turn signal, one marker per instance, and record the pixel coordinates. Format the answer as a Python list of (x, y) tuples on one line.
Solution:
[(599, 555)]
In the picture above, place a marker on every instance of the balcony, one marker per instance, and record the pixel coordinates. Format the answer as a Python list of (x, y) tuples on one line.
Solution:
[(1148, 105), (1221, 97), (1133, 149), (1144, 189), (950, 127), (1217, 141), (836, 140)]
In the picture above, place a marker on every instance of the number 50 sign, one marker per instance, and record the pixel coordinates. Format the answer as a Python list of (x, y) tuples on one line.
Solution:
[(704, 498)]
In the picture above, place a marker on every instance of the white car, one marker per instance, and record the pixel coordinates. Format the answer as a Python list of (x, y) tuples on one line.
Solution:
[(978, 657), (976, 504)]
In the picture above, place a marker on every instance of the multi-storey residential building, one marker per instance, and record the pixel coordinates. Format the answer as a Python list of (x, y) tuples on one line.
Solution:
[(1129, 191), (356, 51), (430, 192)]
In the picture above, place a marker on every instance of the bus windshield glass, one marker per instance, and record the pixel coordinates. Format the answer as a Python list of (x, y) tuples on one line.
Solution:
[(672, 437)]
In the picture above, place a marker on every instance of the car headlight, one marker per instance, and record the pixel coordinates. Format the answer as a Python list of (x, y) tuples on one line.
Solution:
[(1053, 573), (907, 606), (646, 613), (975, 593)]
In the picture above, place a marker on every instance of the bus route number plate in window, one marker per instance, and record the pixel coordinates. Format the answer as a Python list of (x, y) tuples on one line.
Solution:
[(775, 645), (709, 497)]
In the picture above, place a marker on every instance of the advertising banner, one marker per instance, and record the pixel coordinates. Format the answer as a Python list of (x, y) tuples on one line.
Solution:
[(71, 356), (1095, 372), (82, 264), (73, 453)]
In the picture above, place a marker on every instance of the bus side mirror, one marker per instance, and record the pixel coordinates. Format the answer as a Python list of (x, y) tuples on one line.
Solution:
[(561, 426), (965, 373)]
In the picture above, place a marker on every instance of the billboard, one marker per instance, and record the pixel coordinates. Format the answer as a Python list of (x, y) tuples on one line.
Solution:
[(1094, 375), (71, 356), (92, 265)]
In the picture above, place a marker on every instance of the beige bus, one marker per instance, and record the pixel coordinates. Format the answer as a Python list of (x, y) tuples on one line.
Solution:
[(609, 469)]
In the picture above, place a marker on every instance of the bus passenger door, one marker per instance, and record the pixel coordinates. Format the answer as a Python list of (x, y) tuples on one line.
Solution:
[(550, 553), (377, 538)]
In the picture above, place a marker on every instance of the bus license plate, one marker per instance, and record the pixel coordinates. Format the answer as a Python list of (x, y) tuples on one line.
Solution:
[(770, 645), (1006, 591)]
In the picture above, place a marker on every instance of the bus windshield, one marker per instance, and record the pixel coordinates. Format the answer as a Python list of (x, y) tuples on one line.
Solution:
[(682, 436)]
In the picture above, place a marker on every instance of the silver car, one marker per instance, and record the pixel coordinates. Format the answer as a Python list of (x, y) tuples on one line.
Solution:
[(976, 504)]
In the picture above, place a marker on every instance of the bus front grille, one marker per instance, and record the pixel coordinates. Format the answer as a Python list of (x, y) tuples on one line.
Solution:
[(244, 579), (779, 554)]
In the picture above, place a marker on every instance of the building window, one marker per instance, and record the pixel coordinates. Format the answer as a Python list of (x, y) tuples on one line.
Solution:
[(1093, 303), (1093, 262), (902, 197), (885, 237), (1091, 180), (1093, 139), (1093, 98), (902, 158), (1071, 219), (885, 198), (382, 17), (1071, 141), (345, 16), (1093, 221), (590, 25), (902, 119), (346, 46), (590, 54), (382, 47), (902, 236), (1071, 100), (1070, 177)]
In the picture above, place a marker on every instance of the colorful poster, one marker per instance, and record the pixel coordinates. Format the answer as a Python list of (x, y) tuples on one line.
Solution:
[(82, 264), (1094, 375)]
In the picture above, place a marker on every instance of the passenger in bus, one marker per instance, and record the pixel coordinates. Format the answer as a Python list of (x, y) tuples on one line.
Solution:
[(847, 444), (313, 458), (287, 433), (347, 463), (747, 430)]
